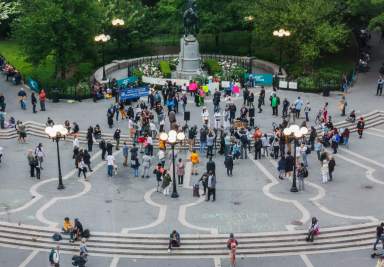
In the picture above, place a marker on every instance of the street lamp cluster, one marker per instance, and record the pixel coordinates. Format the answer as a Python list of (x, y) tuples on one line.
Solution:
[(295, 132), (118, 22), (56, 133), (172, 138), (281, 34), (104, 38)]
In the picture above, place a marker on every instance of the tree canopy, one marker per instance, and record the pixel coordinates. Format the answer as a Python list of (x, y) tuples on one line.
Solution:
[(64, 29), (61, 28)]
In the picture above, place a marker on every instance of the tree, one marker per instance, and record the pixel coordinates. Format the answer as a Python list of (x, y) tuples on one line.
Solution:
[(229, 17), (63, 29), (134, 14), (316, 29), (8, 9)]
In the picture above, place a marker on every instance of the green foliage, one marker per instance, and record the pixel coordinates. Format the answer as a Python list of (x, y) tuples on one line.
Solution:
[(213, 67), (83, 70), (135, 16), (15, 55), (62, 29), (314, 25), (236, 73), (165, 69), (9, 9), (136, 72)]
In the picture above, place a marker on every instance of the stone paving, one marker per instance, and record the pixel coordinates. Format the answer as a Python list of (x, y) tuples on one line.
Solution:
[(245, 202)]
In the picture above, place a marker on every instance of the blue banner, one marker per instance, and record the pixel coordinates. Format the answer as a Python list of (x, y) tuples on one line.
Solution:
[(262, 79), (133, 93), (127, 81), (34, 85)]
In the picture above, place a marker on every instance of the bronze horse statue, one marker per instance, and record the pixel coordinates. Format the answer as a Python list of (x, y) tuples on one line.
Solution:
[(191, 19)]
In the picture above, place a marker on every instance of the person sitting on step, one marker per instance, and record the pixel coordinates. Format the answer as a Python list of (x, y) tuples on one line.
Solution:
[(67, 226), (174, 240), (77, 231), (313, 230)]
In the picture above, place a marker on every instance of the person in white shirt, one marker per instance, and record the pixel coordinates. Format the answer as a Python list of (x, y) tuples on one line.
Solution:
[(110, 164), (161, 156), (149, 145), (205, 116), (40, 154), (217, 117), (303, 154), (82, 169), (131, 128), (76, 143)]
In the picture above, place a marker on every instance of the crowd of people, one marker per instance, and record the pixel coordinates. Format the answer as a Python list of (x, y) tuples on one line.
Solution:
[(227, 130), (10, 72)]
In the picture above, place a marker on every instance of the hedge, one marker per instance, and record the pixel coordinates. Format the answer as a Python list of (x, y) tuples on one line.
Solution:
[(165, 69), (213, 67)]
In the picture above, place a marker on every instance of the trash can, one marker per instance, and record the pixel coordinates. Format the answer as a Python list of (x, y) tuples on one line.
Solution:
[(55, 95)]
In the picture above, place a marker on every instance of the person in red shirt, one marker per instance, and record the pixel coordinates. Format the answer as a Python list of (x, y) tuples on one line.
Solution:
[(42, 98)]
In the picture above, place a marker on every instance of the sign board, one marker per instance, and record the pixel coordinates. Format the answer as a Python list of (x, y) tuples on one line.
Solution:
[(225, 84), (262, 79), (133, 93), (292, 85), (127, 81), (161, 81), (283, 84)]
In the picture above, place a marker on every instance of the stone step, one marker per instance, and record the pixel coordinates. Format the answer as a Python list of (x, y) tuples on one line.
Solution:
[(330, 231), (199, 244), (222, 251), (326, 237)]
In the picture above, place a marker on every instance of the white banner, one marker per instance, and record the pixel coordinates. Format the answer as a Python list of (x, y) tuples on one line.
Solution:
[(161, 81)]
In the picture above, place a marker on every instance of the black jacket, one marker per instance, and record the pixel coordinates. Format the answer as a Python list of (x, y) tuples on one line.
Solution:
[(211, 166)]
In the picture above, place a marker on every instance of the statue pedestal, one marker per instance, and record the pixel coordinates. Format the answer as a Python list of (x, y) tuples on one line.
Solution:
[(189, 59)]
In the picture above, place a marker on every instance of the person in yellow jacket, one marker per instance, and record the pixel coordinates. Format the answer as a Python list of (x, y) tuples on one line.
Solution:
[(67, 226), (195, 159)]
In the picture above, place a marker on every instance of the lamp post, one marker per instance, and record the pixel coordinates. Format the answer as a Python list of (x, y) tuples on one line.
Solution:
[(118, 24), (56, 133), (296, 132), (281, 34), (102, 39), (172, 138), (249, 20)]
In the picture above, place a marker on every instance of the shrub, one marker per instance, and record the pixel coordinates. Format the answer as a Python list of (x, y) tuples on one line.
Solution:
[(136, 72), (165, 69), (213, 67)]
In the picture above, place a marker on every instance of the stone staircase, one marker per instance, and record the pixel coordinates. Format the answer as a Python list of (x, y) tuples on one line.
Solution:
[(193, 246), (372, 119)]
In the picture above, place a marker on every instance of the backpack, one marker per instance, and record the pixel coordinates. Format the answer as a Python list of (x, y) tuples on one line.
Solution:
[(305, 173), (86, 233), (56, 237)]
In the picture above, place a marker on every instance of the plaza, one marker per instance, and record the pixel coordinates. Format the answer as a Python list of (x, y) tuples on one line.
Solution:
[(130, 215)]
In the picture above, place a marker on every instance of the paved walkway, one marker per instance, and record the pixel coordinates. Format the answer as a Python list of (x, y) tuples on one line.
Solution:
[(253, 200)]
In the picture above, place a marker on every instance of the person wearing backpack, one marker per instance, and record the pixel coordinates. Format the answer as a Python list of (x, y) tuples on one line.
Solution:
[(54, 256), (302, 173)]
